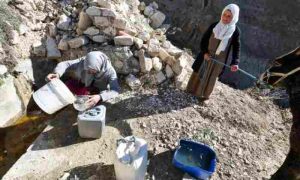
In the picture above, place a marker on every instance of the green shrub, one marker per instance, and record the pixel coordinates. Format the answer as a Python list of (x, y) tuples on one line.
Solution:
[(6, 14)]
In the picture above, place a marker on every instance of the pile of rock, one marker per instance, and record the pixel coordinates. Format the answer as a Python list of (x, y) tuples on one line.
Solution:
[(124, 31)]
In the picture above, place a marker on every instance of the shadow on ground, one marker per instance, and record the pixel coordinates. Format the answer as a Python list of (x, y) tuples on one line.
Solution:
[(97, 171), (161, 168)]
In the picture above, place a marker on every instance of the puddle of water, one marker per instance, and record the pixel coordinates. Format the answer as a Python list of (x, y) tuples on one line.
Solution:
[(14, 140)]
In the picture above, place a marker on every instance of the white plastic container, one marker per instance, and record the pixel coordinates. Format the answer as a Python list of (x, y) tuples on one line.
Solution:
[(53, 96), (131, 159), (91, 123)]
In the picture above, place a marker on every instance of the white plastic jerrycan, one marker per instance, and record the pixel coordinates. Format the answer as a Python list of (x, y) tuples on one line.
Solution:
[(131, 159), (53, 96)]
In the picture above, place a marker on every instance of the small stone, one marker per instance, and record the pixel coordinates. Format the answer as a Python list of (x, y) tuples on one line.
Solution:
[(138, 43), (91, 31), (118, 64), (142, 6), (105, 3), (63, 45), (169, 71), (153, 47), (52, 50), (84, 21), (99, 39), (180, 64), (65, 176), (12, 35), (160, 77), (23, 29), (133, 82), (110, 31), (78, 42), (144, 125), (79, 31), (52, 30), (149, 11), (3, 69), (120, 23), (157, 19), (93, 11), (145, 62), (144, 36), (123, 40), (39, 49), (64, 23), (181, 80), (163, 54), (154, 5), (170, 60), (174, 51), (157, 65), (108, 12), (102, 22)]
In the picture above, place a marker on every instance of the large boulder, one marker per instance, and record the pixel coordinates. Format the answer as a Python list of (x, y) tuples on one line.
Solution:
[(11, 105)]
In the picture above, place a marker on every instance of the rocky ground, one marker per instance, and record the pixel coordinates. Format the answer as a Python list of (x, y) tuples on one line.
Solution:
[(245, 131), (248, 133)]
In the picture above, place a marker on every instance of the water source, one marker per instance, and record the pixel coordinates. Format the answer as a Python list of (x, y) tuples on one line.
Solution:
[(14, 140)]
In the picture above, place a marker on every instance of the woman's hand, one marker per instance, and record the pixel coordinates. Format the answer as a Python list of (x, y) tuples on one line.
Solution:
[(207, 56), (234, 68), (93, 100), (52, 76)]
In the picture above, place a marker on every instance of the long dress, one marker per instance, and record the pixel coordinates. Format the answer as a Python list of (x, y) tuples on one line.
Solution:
[(202, 82)]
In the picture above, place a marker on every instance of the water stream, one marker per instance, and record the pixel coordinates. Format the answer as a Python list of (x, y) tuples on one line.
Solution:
[(15, 139)]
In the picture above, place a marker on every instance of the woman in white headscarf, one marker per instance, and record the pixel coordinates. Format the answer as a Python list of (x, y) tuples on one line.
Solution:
[(217, 42), (91, 75)]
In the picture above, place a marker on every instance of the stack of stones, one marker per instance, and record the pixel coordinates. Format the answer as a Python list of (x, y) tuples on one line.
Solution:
[(129, 32)]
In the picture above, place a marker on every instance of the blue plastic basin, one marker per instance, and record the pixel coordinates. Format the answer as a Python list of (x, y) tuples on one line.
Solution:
[(196, 159)]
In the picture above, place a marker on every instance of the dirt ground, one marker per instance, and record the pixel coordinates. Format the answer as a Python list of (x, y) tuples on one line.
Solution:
[(249, 135)]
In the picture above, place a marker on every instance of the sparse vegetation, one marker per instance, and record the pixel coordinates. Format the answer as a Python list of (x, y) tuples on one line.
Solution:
[(7, 15), (205, 136)]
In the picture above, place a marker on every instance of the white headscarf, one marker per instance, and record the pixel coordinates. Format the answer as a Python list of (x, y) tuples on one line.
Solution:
[(225, 31)]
